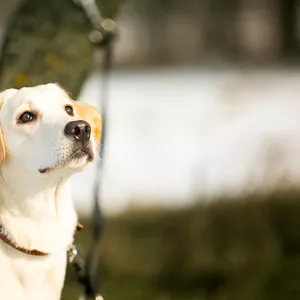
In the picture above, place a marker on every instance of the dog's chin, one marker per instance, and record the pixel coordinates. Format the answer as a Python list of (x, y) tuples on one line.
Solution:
[(74, 163)]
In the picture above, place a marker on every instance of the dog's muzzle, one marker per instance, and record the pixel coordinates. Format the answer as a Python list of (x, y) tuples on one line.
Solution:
[(80, 133)]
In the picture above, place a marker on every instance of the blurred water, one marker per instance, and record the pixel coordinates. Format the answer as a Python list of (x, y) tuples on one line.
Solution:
[(177, 134)]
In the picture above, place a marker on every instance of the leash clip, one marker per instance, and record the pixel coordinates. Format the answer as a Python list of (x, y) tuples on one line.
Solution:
[(72, 253)]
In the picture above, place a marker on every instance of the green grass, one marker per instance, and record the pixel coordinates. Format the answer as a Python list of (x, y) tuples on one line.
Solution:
[(244, 250)]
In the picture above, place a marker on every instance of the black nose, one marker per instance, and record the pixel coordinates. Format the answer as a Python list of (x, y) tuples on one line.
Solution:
[(79, 130)]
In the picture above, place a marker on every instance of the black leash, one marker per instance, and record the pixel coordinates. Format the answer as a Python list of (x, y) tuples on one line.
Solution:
[(102, 36)]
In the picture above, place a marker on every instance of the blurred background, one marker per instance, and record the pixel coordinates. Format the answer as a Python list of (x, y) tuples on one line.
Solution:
[(201, 171)]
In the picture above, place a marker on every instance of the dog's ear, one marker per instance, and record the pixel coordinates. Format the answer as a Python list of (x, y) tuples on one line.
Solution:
[(91, 115), (3, 97)]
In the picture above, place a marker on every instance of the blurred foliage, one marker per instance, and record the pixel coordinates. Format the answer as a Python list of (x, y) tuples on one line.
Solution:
[(47, 41), (242, 250)]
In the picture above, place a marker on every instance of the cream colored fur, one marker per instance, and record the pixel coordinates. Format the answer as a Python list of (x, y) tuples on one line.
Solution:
[(36, 208)]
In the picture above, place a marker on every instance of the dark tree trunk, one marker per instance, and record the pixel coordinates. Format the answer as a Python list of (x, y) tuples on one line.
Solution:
[(288, 27), (7, 9)]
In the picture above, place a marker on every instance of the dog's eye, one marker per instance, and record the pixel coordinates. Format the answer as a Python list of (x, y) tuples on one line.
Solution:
[(69, 110), (27, 117)]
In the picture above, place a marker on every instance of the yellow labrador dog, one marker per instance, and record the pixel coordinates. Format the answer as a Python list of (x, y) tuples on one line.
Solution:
[(45, 138)]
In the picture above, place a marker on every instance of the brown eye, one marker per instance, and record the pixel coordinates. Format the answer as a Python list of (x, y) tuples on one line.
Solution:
[(69, 110), (27, 117)]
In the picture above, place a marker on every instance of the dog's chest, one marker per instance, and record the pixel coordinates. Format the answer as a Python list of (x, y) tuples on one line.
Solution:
[(32, 277)]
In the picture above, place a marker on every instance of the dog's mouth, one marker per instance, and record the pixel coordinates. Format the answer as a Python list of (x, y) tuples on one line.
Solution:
[(78, 154)]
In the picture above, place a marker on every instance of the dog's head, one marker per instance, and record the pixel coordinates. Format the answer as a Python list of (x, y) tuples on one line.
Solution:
[(44, 131)]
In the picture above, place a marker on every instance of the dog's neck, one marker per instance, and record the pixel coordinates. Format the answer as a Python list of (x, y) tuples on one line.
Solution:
[(37, 210)]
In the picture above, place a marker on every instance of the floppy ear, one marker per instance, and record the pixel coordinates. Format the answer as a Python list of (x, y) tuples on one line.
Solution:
[(4, 96), (91, 115)]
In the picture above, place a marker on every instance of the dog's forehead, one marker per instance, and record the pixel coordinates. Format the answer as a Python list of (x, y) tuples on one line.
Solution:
[(42, 97)]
